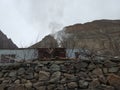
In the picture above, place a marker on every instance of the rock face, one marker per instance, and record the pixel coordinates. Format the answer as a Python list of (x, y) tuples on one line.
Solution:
[(98, 35), (47, 42), (5, 42), (25, 76)]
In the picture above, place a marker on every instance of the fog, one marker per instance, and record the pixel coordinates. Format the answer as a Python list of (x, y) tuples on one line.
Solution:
[(28, 21)]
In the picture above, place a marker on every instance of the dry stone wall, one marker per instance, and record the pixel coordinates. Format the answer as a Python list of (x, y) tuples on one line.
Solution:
[(61, 75)]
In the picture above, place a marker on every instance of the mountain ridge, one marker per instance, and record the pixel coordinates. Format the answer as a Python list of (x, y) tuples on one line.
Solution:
[(98, 35), (5, 42)]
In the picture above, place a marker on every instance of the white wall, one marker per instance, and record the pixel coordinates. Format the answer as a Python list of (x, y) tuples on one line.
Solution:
[(21, 54)]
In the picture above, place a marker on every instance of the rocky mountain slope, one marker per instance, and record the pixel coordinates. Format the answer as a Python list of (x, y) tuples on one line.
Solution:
[(47, 42), (98, 35), (5, 42)]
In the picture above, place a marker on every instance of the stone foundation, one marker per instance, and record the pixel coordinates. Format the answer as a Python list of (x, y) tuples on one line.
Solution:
[(61, 75)]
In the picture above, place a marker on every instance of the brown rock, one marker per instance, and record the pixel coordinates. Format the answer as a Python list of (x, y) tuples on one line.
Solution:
[(28, 84), (69, 76), (17, 81), (97, 72), (94, 83), (114, 80)]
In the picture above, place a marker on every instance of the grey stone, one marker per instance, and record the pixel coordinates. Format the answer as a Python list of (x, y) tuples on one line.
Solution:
[(63, 68), (81, 65), (29, 76), (43, 76), (12, 74), (36, 76), (17, 81), (5, 81), (6, 74), (1, 74), (41, 88), (105, 70), (113, 69), (69, 76), (30, 70), (23, 81), (109, 64), (103, 87), (109, 88), (55, 77), (72, 85), (82, 75), (17, 87), (51, 87), (38, 84), (60, 87), (91, 66), (21, 71), (55, 67), (2, 87), (83, 84)]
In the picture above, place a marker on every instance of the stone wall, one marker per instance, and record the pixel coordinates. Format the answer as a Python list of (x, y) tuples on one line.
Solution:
[(61, 75)]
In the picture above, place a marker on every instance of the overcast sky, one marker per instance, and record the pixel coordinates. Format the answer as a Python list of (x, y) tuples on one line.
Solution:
[(28, 21)]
